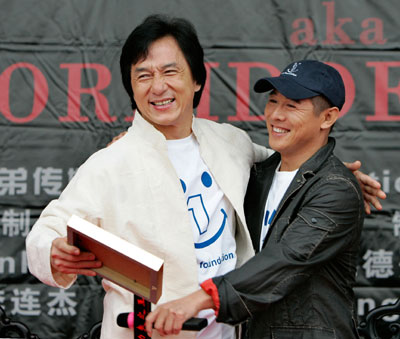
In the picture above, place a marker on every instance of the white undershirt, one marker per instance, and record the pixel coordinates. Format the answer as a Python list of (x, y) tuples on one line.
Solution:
[(280, 184), (212, 219)]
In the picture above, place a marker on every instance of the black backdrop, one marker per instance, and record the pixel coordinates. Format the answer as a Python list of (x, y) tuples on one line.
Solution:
[(61, 99)]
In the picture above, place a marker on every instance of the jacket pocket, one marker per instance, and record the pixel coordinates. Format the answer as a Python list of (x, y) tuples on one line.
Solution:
[(305, 234), (300, 332)]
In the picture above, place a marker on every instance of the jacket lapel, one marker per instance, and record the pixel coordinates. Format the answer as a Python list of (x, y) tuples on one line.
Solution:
[(257, 193), (215, 153)]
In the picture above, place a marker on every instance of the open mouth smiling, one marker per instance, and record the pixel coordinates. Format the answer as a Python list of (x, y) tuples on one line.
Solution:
[(163, 102), (279, 130)]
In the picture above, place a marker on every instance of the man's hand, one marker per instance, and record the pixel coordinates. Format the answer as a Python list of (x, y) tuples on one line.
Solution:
[(168, 318), (371, 188), (69, 259)]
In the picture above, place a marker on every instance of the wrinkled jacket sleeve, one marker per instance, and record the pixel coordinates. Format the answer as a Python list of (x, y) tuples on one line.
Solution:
[(325, 225), (77, 198)]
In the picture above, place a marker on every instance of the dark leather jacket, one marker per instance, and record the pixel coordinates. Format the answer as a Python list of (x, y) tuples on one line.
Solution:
[(300, 284)]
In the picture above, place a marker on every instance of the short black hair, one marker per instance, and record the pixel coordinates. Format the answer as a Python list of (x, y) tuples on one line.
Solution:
[(320, 103), (153, 28)]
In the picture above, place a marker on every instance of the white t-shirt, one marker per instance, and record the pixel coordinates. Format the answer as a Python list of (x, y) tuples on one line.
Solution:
[(280, 184), (213, 222)]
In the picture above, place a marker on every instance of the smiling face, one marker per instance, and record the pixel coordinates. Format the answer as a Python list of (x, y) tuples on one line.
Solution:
[(295, 131), (164, 89)]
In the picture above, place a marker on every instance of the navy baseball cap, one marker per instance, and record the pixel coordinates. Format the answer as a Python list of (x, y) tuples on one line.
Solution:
[(305, 79)]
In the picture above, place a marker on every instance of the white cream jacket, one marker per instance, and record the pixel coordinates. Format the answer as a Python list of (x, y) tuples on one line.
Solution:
[(132, 190)]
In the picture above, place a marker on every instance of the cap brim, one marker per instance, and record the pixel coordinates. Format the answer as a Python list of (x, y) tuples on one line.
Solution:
[(286, 86)]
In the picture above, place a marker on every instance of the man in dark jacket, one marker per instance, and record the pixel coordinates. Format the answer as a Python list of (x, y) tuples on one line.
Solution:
[(305, 213)]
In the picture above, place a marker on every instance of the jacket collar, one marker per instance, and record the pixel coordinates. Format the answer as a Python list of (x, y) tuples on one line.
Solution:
[(147, 132), (150, 134), (310, 166), (313, 164), (307, 170)]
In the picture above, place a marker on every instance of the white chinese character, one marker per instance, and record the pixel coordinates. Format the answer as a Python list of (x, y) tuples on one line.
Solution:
[(396, 230), (2, 298), (71, 173), (396, 217), (13, 181), (62, 304), (378, 264), (26, 302), (15, 224), (396, 223), (49, 179)]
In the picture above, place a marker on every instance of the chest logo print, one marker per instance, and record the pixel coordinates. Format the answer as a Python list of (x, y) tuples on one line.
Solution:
[(200, 216)]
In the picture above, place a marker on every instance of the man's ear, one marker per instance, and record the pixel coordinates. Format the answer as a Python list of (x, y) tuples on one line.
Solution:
[(329, 117), (197, 87)]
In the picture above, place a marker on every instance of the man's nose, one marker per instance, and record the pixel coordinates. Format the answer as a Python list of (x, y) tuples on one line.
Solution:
[(159, 84), (275, 113)]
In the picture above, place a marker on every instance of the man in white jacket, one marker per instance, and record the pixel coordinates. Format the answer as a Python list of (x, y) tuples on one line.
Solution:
[(174, 185)]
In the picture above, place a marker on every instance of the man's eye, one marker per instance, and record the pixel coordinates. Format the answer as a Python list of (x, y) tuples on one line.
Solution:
[(291, 105), (170, 71), (143, 76)]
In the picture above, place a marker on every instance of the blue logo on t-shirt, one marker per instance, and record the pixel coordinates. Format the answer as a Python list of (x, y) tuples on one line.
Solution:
[(200, 215), (267, 219)]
